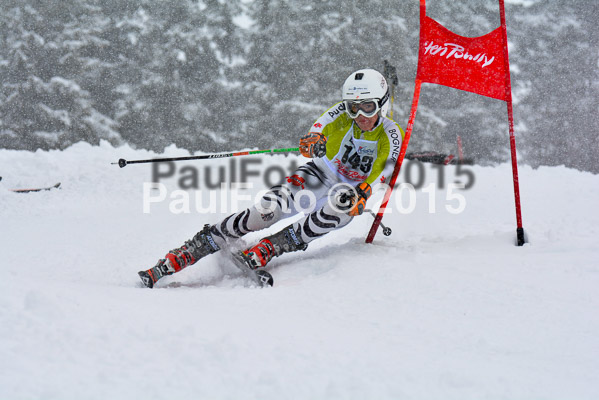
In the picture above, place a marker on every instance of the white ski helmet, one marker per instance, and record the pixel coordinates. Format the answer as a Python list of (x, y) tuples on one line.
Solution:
[(366, 92)]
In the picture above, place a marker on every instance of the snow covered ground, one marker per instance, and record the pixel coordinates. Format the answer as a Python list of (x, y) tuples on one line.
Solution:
[(445, 308)]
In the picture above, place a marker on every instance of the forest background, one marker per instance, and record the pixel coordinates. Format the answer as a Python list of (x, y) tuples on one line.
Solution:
[(226, 75)]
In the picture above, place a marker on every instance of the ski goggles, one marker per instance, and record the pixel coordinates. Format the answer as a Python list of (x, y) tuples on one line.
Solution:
[(366, 107)]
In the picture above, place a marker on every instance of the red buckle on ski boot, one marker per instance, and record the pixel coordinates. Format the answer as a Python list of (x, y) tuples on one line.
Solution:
[(260, 254)]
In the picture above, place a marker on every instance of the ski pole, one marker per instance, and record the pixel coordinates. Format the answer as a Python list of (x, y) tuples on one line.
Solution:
[(386, 230), (122, 162)]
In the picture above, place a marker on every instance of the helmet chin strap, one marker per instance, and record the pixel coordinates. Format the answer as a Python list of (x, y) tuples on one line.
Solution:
[(378, 119)]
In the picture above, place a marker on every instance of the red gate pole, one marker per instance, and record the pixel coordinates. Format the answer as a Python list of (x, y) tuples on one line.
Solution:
[(508, 94)]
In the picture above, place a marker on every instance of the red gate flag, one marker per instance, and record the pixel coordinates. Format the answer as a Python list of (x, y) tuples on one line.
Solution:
[(475, 65), (479, 65)]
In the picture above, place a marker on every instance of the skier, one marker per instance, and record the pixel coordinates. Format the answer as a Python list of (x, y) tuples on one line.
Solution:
[(350, 146)]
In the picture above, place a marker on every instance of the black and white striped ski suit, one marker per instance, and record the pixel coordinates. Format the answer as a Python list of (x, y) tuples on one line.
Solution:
[(308, 190)]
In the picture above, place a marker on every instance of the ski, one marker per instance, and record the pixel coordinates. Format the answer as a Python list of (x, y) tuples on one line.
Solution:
[(146, 279), (258, 276), (35, 189)]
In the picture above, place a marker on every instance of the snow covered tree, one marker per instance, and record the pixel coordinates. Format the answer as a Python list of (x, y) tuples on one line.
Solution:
[(188, 72), (560, 100), (42, 104)]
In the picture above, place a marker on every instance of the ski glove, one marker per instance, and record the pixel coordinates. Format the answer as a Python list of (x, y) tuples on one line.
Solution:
[(355, 199), (313, 144)]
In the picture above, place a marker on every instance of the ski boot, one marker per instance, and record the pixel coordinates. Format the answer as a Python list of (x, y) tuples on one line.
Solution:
[(198, 247), (285, 241)]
